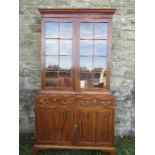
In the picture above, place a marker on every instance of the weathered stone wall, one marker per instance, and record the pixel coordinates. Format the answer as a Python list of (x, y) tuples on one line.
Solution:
[(122, 68)]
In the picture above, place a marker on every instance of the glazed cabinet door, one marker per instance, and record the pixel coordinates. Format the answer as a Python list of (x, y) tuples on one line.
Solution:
[(94, 124), (54, 123)]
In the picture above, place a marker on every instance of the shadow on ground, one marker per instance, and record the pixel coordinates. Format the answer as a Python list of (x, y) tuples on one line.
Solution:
[(124, 146)]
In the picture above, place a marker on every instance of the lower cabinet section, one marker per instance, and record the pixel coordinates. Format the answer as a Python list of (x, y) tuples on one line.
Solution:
[(75, 121)]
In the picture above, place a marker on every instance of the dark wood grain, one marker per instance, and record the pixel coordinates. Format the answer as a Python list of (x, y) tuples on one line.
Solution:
[(75, 118), (75, 10)]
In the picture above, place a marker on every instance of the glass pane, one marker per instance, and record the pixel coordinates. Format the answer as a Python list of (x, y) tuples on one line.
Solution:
[(65, 79), (65, 47), (96, 75), (86, 63), (99, 63), (86, 30), (52, 30), (65, 30), (65, 74), (52, 79), (51, 62), (99, 79), (86, 47), (51, 47), (86, 80), (100, 47), (52, 74), (65, 62), (101, 30)]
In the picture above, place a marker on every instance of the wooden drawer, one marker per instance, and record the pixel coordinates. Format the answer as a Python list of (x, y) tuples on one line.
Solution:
[(95, 100), (48, 100)]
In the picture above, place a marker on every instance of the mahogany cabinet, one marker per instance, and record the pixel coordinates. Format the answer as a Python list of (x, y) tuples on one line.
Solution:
[(75, 109)]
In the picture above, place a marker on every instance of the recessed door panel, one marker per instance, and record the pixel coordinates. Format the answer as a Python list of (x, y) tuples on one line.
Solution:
[(54, 126), (94, 125)]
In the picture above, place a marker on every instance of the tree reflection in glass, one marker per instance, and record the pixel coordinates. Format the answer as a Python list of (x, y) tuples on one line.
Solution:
[(65, 63), (86, 63), (99, 63), (51, 62)]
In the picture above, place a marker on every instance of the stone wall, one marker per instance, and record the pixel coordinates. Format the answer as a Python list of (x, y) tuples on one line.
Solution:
[(122, 67)]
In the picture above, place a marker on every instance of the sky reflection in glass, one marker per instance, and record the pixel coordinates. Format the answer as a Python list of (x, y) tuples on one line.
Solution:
[(100, 47), (100, 62), (65, 47), (52, 30), (86, 63), (51, 46), (86, 47), (51, 61), (65, 62), (86, 30), (101, 30), (66, 30)]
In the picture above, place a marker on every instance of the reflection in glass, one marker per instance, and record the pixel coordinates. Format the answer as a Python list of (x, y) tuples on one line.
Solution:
[(86, 30), (66, 30), (52, 30), (101, 30), (100, 47), (51, 62), (99, 79), (65, 62), (65, 47), (65, 74), (51, 46), (86, 63), (52, 74), (65, 79), (86, 80), (86, 47), (52, 79), (85, 76), (99, 63), (96, 75)]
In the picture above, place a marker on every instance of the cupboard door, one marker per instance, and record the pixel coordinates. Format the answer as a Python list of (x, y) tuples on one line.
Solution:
[(54, 126), (94, 125), (58, 53)]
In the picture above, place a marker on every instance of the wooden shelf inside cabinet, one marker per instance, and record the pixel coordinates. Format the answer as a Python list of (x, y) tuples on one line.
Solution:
[(75, 109)]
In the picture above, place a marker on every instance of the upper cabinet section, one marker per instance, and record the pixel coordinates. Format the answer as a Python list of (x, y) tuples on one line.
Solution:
[(76, 49)]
